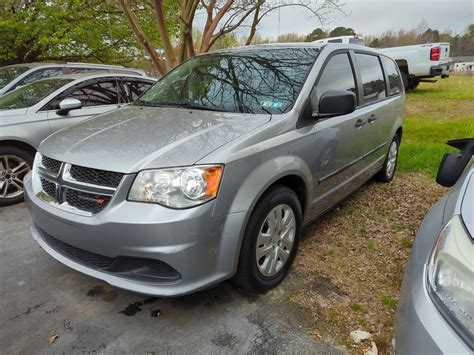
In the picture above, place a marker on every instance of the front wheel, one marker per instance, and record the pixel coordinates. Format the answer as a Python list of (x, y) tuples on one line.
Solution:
[(387, 172), (15, 163), (270, 241)]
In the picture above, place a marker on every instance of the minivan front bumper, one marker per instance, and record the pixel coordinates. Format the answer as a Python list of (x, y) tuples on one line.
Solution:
[(145, 248)]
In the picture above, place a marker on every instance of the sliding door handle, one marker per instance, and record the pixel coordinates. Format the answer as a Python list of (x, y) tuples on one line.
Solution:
[(360, 122), (372, 118)]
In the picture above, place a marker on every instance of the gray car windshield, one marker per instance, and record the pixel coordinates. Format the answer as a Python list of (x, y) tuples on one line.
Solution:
[(252, 81), (8, 74), (31, 94)]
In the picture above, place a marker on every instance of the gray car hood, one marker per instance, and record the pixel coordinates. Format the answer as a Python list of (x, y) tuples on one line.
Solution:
[(137, 137)]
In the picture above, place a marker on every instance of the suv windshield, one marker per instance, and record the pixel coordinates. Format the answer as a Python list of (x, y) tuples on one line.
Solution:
[(31, 94), (8, 74), (252, 81)]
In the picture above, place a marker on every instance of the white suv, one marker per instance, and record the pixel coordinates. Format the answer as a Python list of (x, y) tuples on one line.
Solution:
[(13, 76)]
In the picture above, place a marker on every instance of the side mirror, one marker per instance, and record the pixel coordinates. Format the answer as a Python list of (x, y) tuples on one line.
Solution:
[(336, 103), (67, 105), (453, 164)]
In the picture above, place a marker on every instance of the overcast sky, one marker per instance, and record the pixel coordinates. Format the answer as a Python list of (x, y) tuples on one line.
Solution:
[(376, 16)]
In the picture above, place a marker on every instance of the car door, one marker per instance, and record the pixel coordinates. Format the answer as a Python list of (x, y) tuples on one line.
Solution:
[(376, 109), (96, 95), (339, 140)]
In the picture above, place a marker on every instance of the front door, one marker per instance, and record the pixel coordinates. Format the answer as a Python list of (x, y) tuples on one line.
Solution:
[(97, 96), (339, 140)]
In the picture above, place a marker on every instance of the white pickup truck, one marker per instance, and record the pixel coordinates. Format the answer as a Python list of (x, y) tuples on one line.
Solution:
[(420, 62)]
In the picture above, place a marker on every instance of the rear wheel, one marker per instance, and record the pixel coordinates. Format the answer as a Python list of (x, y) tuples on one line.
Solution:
[(270, 241), (15, 163), (387, 172)]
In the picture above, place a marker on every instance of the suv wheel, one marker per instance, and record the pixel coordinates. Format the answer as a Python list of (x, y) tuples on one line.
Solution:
[(270, 241), (387, 172), (15, 163)]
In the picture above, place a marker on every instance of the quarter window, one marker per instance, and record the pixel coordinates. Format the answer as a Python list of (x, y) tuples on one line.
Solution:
[(373, 82), (134, 88), (337, 75), (394, 80)]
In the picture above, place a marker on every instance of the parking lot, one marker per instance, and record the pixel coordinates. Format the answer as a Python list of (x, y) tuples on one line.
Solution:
[(44, 301)]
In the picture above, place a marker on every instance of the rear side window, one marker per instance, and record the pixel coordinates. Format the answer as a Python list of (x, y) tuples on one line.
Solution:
[(373, 82), (394, 80), (41, 74), (337, 75), (134, 88)]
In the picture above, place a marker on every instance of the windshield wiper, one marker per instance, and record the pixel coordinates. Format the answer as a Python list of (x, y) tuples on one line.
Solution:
[(188, 105)]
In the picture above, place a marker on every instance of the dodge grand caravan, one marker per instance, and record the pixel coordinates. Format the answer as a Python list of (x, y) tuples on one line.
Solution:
[(213, 172)]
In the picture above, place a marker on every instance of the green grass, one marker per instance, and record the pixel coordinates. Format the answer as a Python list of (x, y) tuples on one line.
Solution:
[(436, 113), (356, 307), (388, 301)]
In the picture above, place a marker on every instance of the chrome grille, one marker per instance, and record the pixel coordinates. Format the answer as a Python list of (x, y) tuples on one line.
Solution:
[(82, 190), (95, 176), (48, 187), (52, 165)]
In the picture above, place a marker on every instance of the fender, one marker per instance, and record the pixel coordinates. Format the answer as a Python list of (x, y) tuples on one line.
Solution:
[(249, 192), (249, 189)]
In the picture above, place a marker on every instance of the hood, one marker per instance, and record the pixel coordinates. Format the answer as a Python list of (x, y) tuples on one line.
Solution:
[(136, 137)]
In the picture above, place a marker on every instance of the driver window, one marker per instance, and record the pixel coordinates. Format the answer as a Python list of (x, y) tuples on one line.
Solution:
[(337, 75), (93, 94)]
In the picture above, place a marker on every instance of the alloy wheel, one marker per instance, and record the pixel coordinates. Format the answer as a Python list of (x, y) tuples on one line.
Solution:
[(12, 171)]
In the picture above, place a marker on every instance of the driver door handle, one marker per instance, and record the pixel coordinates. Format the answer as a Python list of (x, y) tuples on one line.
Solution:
[(360, 122)]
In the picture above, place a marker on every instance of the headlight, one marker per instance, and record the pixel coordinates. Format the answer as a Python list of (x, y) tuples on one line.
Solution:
[(451, 277), (177, 187)]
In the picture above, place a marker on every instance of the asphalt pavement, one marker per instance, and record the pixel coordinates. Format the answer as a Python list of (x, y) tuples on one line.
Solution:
[(46, 308)]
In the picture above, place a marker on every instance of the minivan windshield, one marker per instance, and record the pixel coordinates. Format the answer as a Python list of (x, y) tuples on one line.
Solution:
[(11, 72), (31, 94), (246, 81)]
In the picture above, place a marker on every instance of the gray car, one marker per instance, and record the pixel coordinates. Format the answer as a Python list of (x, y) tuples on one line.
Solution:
[(17, 75), (32, 112), (213, 172), (436, 310)]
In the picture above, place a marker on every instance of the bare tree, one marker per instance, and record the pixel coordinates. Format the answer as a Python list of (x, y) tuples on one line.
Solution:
[(221, 17)]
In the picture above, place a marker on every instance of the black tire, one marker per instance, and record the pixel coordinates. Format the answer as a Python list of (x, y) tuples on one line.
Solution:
[(386, 174), (414, 84), (405, 80), (18, 153), (248, 276)]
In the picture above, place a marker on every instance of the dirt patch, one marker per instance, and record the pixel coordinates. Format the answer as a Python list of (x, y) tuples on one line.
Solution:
[(351, 262)]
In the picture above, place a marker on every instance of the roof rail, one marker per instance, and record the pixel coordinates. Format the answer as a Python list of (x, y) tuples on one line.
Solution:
[(97, 65)]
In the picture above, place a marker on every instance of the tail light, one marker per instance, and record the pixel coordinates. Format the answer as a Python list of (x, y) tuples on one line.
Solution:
[(435, 53)]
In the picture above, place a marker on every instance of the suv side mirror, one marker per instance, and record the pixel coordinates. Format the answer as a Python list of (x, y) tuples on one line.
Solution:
[(452, 165), (336, 103), (67, 105)]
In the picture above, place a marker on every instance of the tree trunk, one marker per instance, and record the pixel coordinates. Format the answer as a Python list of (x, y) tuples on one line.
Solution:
[(160, 19), (253, 27), (209, 32), (141, 36)]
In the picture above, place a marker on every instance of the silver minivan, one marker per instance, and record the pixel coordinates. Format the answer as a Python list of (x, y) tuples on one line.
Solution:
[(212, 173)]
